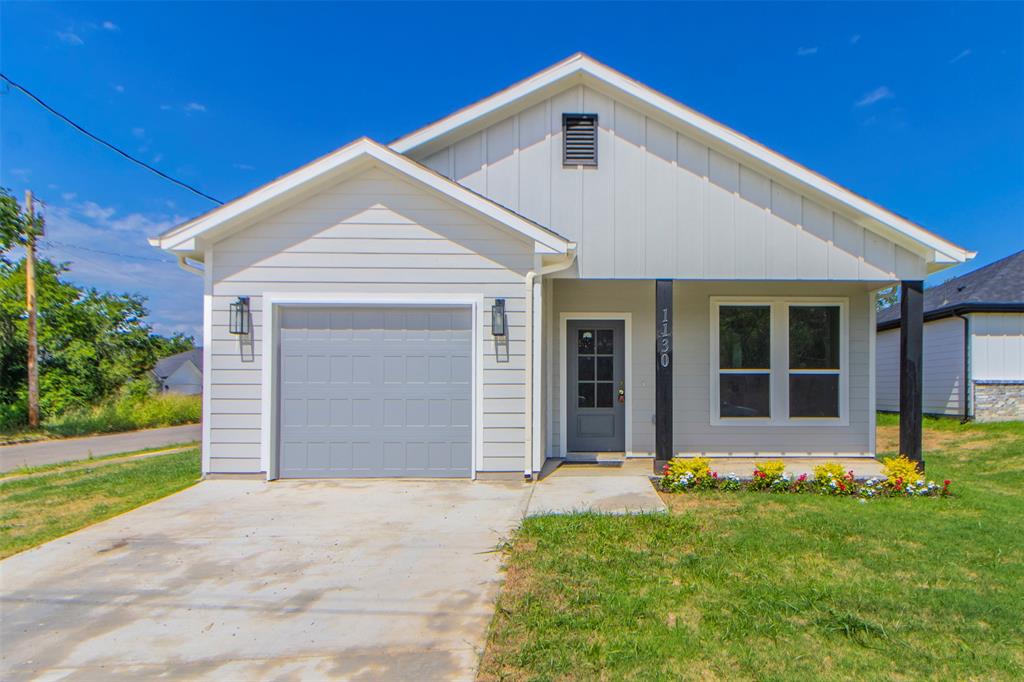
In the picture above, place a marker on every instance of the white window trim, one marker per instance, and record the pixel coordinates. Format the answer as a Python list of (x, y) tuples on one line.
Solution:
[(274, 301), (778, 383)]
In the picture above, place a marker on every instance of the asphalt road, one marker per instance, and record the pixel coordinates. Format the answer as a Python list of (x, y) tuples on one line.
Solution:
[(68, 449)]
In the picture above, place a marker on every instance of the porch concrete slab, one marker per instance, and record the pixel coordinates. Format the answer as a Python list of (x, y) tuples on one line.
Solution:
[(616, 490), (862, 467), (247, 580)]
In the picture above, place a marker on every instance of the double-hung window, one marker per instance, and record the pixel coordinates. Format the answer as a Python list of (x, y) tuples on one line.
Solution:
[(778, 361)]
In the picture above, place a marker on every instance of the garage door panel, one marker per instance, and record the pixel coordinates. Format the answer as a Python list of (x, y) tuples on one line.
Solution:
[(376, 392)]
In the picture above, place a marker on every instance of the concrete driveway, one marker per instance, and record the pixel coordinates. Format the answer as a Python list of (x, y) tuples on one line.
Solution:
[(243, 580)]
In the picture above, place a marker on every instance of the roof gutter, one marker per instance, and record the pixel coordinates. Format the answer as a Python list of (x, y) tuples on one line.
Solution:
[(530, 281), (956, 311), (188, 267)]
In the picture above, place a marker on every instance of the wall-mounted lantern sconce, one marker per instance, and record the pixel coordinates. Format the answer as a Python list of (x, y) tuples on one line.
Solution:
[(499, 325), (239, 321)]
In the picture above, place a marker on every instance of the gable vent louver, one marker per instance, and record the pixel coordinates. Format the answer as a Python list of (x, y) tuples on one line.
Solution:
[(579, 135)]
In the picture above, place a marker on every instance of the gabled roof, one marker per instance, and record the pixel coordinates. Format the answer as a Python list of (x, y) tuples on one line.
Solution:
[(165, 367), (581, 69), (331, 168), (997, 287)]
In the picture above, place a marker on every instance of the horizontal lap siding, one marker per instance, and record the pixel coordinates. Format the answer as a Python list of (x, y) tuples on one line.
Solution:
[(997, 347), (693, 432), (375, 234), (663, 204), (942, 378)]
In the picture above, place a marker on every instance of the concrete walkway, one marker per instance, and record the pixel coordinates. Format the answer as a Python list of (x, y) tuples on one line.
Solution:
[(68, 449), (594, 487)]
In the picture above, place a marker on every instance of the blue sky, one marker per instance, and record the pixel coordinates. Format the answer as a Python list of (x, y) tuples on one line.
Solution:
[(919, 107)]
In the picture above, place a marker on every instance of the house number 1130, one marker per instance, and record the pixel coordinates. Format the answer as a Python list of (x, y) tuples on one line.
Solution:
[(664, 339)]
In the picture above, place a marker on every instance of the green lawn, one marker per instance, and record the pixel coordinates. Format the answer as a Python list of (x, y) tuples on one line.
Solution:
[(40, 508), (763, 586)]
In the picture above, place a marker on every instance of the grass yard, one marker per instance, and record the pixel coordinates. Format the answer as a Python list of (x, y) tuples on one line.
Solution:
[(40, 508), (772, 586)]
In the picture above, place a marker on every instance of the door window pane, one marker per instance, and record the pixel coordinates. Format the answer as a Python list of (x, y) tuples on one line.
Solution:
[(586, 367), (585, 342), (814, 337), (586, 395), (606, 341), (604, 395), (744, 395), (814, 395), (605, 368), (744, 337)]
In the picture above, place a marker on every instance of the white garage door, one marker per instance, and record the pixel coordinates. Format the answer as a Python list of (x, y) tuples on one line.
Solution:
[(375, 392)]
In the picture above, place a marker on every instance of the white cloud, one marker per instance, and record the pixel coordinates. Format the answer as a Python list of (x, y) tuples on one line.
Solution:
[(22, 173), (70, 37), (194, 106), (855, 38), (139, 132), (244, 166), (90, 209), (961, 55), (68, 196), (876, 95), (806, 51), (158, 157), (110, 26), (165, 107), (119, 88)]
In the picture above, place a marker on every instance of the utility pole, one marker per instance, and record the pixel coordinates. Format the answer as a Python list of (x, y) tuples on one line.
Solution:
[(30, 305)]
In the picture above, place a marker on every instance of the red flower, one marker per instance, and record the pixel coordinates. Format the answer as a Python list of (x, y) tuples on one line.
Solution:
[(842, 487), (946, 483), (803, 477), (714, 474)]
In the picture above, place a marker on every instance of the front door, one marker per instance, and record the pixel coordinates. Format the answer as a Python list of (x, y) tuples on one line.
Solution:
[(596, 384)]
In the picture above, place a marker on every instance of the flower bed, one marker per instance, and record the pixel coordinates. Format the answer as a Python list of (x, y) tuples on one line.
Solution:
[(901, 479)]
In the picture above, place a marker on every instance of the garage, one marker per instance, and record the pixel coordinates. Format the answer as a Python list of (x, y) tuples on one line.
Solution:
[(375, 391)]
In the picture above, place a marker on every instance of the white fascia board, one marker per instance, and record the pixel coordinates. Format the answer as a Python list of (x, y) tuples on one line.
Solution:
[(580, 66), (327, 168)]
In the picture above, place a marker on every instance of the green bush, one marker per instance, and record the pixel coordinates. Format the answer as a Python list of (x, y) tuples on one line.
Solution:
[(13, 417), (137, 407)]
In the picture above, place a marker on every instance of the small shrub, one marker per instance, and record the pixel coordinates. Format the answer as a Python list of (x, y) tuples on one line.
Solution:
[(698, 466), (772, 468), (828, 470), (13, 416), (768, 475), (900, 471)]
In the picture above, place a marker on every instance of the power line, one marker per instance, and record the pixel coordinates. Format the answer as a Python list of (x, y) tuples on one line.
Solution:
[(103, 142), (51, 242)]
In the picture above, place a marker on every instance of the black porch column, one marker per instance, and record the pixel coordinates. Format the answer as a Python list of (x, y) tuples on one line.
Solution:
[(911, 351), (662, 373)]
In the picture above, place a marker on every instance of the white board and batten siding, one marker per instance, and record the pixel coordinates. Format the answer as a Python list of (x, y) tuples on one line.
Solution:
[(943, 360), (997, 346), (661, 203), (372, 234)]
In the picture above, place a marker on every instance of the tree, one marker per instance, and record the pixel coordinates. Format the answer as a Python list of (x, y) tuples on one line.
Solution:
[(90, 342), (887, 297)]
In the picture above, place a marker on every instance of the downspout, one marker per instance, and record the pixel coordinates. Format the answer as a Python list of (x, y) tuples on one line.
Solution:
[(531, 276), (188, 267), (967, 367)]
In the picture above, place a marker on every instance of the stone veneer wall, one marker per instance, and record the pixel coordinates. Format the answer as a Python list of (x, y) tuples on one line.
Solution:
[(998, 401)]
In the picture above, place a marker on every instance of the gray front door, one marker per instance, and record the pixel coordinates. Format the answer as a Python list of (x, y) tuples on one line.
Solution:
[(596, 386), (375, 392)]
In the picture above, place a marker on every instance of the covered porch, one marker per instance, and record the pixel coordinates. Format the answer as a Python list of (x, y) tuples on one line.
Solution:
[(738, 371)]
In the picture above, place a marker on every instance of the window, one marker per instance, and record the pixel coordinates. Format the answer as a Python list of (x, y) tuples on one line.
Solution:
[(595, 353), (778, 361), (744, 361), (579, 139), (814, 361)]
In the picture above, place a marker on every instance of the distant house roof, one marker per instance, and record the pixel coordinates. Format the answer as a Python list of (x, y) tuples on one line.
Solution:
[(997, 287), (169, 365)]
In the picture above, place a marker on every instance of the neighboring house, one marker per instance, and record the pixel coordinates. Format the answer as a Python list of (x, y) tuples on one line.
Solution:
[(575, 264), (974, 328), (181, 373)]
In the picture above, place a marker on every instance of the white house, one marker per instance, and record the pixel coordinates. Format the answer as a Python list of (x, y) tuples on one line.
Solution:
[(973, 346), (576, 264), (180, 373)]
